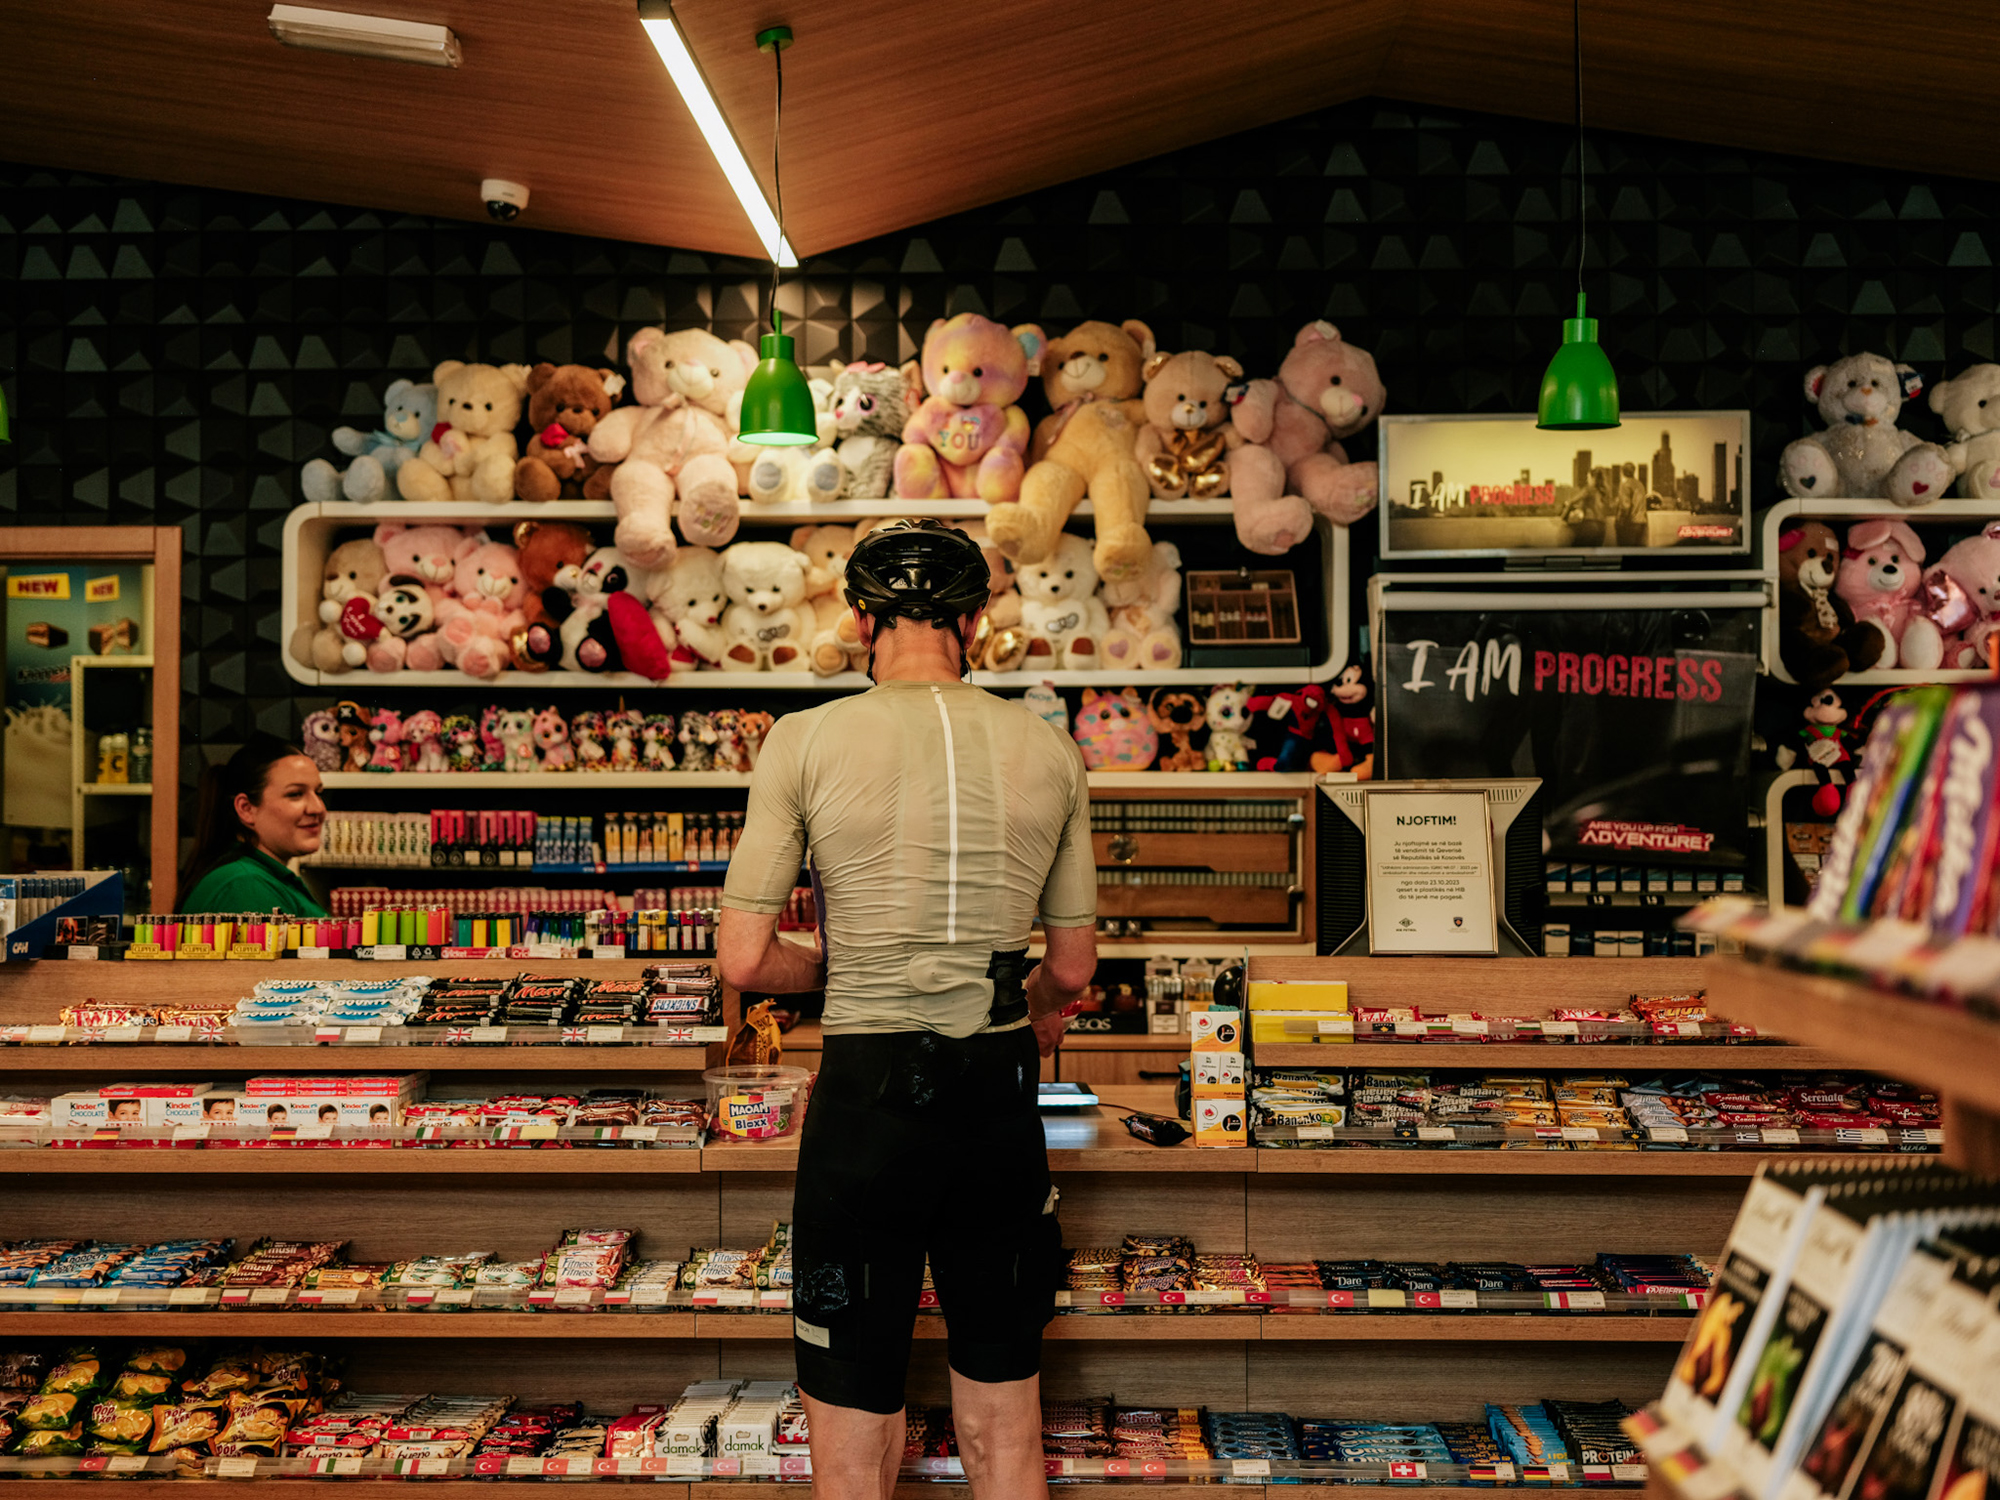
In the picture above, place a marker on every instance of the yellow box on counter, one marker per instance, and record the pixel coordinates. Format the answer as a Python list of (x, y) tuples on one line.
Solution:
[(1298, 994), (1221, 1122), (1217, 1030), (1224, 1069), (1278, 1027)]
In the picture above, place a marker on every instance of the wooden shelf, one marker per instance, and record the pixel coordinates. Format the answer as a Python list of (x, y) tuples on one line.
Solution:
[(1951, 1053), (406, 1162), (1555, 1057), (230, 1323), (193, 1057), (1361, 1328), (1478, 1163)]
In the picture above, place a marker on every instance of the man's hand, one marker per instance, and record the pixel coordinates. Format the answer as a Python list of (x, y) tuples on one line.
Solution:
[(1049, 1031)]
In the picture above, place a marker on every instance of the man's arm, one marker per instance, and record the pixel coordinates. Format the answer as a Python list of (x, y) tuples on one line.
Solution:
[(753, 957), (1059, 981)]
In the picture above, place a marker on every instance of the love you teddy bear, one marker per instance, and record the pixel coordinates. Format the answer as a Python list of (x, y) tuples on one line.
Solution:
[(671, 444), (1326, 390), (470, 452), (565, 404), (968, 439), (409, 411), (1092, 376), (1863, 454), (1881, 572), (354, 570)]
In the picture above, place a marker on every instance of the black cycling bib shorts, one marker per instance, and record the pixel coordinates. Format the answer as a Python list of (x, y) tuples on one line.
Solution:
[(917, 1144)]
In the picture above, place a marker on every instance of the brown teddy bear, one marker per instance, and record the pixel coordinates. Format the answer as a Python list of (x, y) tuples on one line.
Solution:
[(1818, 639), (565, 404), (1188, 442), (546, 548), (1092, 377)]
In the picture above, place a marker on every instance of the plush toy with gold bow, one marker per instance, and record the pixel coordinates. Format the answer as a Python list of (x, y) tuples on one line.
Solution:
[(1092, 376), (1187, 441)]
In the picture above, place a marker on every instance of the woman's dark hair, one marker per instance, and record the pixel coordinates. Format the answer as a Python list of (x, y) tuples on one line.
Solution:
[(218, 832)]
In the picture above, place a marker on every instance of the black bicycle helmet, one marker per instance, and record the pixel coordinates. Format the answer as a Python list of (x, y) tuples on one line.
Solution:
[(917, 570)]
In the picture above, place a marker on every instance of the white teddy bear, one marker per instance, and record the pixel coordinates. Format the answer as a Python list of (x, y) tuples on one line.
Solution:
[(1142, 610), (688, 594), (1970, 406), (1065, 620), (1863, 454), (767, 626)]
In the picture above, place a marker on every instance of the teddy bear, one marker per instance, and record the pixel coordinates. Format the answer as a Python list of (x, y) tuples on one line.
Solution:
[(968, 438), (470, 453), (1113, 732), (1958, 610), (605, 619), (767, 627), (1880, 575), (565, 404), (1187, 444), (409, 411), (353, 570), (1065, 620), (673, 443), (871, 404), (1178, 718), (999, 641), (424, 553), (423, 742), (1970, 406), (545, 549), (1228, 715), (1326, 390), (403, 611), (1818, 639), (1093, 376), (807, 474), (1863, 454), (836, 644), (1142, 635), (688, 595), (476, 626)]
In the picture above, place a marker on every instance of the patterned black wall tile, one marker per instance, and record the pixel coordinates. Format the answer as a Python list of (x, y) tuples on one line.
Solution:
[(171, 355)]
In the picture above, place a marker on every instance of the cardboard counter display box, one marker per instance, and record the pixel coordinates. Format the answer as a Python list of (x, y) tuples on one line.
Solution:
[(1218, 1071), (1221, 1122), (1216, 1030)]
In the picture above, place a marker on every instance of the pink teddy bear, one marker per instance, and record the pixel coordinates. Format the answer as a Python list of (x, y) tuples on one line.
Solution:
[(969, 439), (476, 627), (1881, 572), (1326, 390), (1957, 617)]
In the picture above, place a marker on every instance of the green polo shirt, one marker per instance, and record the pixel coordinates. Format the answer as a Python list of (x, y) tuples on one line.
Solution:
[(251, 880)]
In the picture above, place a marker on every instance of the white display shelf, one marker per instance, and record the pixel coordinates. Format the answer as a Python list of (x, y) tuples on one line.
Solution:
[(616, 780), (1973, 513), (115, 789), (311, 528)]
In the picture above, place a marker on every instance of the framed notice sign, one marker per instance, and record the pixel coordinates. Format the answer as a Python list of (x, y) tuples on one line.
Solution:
[(1430, 873)]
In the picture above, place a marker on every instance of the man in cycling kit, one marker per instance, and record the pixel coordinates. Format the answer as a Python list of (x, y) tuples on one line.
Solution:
[(941, 821)]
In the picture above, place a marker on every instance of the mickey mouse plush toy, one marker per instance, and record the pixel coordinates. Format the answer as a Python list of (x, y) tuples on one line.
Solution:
[(1354, 721)]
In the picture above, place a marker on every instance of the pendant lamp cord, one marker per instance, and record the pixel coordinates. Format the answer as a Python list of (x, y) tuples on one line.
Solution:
[(1576, 32), (778, 181)]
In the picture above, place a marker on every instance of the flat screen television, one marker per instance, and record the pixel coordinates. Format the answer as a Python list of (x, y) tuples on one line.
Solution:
[(1480, 486)]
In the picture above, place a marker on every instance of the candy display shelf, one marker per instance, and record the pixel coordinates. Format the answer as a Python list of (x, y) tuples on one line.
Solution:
[(572, 781), (1948, 1051)]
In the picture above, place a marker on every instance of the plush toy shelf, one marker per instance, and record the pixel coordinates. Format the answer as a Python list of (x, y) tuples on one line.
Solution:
[(311, 531), (1966, 515)]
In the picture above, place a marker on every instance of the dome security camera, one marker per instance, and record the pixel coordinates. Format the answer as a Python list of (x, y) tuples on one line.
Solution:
[(505, 200)]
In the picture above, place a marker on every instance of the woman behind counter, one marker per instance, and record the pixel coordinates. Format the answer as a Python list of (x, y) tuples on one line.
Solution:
[(258, 809)]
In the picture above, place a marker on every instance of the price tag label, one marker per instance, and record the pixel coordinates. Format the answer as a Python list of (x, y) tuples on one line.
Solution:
[(312, 952), (124, 1033), (457, 1296), (1337, 1026), (337, 1463), (487, 1034), (1461, 1300), (1779, 1137), (1436, 1133), (536, 1131), (187, 1296), (1628, 1473), (1934, 1137), (1250, 1468), (365, 1033), (684, 1466), (1870, 1136), (629, 1466), (173, 1033), (1558, 1473), (545, 950), (235, 1468), (47, 1033), (599, 1034), (312, 1132), (639, 1133), (650, 1296), (81, 952), (572, 1296), (1579, 1132), (1584, 1301), (1412, 1028), (103, 1296), (1687, 1028), (1471, 1028), (389, 952), (1315, 1132), (522, 1465), (429, 1466), (1559, 1028), (340, 1295), (1387, 1297), (269, 1294), (735, 1296), (607, 952), (1665, 1133), (125, 1463), (195, 1132)]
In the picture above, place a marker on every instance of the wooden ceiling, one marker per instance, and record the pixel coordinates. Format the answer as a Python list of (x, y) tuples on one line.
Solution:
[(896, 115)]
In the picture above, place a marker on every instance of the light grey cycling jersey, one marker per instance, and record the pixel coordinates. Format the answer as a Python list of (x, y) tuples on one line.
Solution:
[(940, 819)]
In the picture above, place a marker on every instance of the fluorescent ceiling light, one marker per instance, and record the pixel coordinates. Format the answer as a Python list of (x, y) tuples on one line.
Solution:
[(365, 36), (657, 16)]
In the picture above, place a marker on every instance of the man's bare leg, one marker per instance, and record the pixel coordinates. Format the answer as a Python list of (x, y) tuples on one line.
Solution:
[(855, 1454), (999, 1430)]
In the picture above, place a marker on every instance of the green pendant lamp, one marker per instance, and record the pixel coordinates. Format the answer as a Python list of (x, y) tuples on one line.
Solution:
[(6, 432), (1580, 389), (778, 409)]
